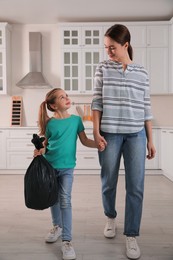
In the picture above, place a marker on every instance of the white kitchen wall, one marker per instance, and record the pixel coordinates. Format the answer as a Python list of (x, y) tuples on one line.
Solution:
[(162, 105)]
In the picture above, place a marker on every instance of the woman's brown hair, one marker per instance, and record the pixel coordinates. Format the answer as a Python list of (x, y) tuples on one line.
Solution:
[(120, 34), (43, 117)]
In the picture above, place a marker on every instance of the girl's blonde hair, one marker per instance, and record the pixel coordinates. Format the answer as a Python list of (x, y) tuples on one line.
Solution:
[(43, 117)]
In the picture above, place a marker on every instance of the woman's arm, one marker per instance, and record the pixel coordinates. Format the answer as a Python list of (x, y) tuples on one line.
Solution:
[(96, 128), (150, 145)]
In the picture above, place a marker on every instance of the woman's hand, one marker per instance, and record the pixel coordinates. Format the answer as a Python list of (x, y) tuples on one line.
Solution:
[(151, 151)]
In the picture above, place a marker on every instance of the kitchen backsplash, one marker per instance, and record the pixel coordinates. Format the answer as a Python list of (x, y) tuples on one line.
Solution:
[(162, 107)]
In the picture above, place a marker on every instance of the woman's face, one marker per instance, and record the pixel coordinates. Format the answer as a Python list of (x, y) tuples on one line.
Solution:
[(115, 51)]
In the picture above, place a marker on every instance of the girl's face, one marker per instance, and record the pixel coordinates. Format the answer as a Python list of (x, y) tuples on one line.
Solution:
[(115, 51), (62, 101)]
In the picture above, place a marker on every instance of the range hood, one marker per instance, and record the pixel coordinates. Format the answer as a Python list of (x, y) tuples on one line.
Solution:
[(35, 78)]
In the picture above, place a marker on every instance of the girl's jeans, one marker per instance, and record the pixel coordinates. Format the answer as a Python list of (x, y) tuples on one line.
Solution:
[(62, 211), (133, 149)]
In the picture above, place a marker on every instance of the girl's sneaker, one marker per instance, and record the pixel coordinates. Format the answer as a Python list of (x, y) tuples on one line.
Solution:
[(53, 235), (68, 251)]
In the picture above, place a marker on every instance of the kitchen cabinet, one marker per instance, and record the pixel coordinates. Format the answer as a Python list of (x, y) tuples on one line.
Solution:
[(166, 152), (82, 49), (87, 158), (19, 149), (3, 135), (158, 58), (16, 150), (154, 163), (5, 58)]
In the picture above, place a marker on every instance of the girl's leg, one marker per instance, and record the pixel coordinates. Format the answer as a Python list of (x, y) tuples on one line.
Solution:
[(65, 189)]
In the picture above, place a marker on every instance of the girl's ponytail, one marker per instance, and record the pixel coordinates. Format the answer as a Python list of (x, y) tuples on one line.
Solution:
[(42, 118)]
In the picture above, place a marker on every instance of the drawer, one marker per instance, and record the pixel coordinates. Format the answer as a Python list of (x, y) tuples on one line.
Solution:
[(20, 145), (87, 160), (22, 133), (18, 160)]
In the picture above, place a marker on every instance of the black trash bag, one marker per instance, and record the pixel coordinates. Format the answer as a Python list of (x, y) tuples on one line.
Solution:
[(40, 182)]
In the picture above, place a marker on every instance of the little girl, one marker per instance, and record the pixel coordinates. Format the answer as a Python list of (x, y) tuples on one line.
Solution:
[(61, 132)]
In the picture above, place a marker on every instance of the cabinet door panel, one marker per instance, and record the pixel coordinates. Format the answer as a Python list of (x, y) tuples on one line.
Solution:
[(157, 65), (157, 36)]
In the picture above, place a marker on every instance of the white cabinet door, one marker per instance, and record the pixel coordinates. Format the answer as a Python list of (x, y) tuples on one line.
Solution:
[(157, 36), (20, 148), (5, 59), (3, 134), (82, 49), (158, 67), (158, 58), (78, 69), (166, 152)]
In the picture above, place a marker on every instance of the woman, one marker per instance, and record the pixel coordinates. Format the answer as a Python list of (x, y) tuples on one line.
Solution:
[(122, 122)]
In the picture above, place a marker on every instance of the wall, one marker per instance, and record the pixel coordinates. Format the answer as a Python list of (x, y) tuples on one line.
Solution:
[(162, 108), (161, 105)]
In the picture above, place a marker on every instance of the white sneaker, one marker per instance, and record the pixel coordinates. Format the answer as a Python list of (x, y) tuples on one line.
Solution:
[(53, 234), (110, 227), (68, 251), (132, 248)]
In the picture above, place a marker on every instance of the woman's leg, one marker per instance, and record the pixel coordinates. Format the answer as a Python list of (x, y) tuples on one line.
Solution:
[(110, 162), (134, 152)]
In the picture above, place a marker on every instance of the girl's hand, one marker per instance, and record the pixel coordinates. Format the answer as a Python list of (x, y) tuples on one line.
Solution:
[(102, 146), (100, 142), (38, 152)]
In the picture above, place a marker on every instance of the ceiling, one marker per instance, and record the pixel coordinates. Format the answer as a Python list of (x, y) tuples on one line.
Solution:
[(54, 11)]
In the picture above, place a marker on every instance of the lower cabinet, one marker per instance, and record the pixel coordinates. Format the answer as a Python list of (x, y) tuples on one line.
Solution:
[(87, 158), (166, 152), (16, 150), (3, 134), (19, 148)]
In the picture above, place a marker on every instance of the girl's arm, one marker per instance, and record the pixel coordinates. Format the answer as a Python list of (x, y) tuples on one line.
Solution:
[(150, 145), (89, 142), (42, 150)]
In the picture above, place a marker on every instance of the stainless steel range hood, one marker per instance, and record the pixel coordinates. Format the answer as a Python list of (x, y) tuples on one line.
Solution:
[(35, 78)]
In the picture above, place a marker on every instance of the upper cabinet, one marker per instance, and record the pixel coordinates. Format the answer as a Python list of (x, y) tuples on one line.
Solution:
[(5, 58), (82, 47), (158, 58)]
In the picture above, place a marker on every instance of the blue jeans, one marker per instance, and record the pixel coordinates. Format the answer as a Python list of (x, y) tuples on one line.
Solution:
[(62, 211), (133, 149)]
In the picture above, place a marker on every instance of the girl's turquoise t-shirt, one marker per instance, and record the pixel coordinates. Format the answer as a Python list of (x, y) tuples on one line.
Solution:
[(62, 137)]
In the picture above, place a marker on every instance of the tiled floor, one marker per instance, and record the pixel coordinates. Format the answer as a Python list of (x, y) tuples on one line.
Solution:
[(22, 230)]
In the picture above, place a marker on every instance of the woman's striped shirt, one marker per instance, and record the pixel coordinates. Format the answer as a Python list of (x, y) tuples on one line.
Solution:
[(123, 97)]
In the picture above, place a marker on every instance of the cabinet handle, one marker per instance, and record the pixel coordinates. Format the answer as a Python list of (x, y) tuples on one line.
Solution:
[(29, 158), (29, 144), (29, 134), (89, 157)]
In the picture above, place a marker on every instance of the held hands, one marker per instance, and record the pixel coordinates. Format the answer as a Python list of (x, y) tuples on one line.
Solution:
[(100, 142)]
